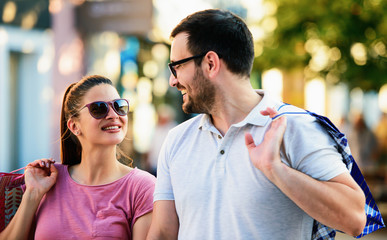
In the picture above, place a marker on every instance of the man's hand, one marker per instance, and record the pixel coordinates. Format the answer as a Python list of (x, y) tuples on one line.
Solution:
[(266, 156)]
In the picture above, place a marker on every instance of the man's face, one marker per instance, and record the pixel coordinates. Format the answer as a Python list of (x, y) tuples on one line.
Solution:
[(197, 90)]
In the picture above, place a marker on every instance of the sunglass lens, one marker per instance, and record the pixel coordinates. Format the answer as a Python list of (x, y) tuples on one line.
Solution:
[(98, 109), (121, 107)]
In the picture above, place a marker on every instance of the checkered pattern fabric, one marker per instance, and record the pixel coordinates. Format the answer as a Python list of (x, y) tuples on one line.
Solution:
[(374, 217)]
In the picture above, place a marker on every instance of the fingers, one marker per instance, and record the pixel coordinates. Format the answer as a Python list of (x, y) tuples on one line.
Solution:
[(249, 141), (278, 125), (276, 130), (271, 112), (54, 171), (41, 163)]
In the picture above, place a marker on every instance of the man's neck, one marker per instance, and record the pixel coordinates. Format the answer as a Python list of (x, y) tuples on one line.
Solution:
[(233, 108)]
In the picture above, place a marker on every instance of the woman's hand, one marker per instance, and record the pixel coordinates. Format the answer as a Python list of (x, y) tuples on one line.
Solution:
[(40, 176)]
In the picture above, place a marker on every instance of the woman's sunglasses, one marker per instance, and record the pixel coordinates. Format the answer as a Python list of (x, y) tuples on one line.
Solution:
[(100, 109)]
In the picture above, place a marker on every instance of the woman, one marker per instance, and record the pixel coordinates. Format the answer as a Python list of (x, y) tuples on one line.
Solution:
[(91, 194)]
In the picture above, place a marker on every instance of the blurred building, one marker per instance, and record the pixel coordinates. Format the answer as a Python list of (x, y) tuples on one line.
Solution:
[(26, 55)]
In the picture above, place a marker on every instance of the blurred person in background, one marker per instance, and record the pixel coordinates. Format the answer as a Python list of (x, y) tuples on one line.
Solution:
[(165, 122), (363, 144), (213, 181), (91, 194), (381, 134)]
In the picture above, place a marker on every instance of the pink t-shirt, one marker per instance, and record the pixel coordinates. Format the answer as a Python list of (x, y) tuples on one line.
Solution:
[(74, 211)]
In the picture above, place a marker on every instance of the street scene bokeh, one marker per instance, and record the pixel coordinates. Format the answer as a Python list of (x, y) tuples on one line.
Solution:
[(329, 57)]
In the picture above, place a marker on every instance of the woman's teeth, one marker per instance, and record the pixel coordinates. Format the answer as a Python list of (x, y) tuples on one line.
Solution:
[(110, 128)]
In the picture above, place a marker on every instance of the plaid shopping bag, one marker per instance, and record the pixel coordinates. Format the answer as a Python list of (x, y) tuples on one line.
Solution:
[(374, 217), (10, 195)]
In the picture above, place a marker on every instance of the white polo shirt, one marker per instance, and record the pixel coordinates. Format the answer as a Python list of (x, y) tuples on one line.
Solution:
[(218, 192)]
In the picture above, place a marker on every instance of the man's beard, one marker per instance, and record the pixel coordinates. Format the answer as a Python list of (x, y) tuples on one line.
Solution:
[(204, 98)]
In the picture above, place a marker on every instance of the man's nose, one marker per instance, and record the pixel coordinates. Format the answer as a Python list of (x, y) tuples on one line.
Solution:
[(172, 81)]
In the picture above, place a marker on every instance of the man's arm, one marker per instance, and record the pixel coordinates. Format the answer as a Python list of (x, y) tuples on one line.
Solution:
[(165, 223), (338, 203)]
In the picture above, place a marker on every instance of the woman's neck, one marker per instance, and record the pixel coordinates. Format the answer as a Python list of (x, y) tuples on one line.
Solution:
[(98, 167)]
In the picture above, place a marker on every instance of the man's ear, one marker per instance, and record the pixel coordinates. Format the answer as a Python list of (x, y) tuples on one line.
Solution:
[(212, 64), (73, 127)]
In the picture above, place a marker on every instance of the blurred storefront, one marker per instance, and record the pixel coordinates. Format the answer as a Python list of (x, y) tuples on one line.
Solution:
[(26, 55)]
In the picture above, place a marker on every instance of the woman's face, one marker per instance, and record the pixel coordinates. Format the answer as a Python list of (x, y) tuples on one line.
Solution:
[(110, 130)]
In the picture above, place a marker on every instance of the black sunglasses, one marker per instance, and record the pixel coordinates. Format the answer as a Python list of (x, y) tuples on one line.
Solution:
[(100, 109), (173, 64)]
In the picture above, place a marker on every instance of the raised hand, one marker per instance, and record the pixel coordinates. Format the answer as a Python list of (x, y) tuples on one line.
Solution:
[(266, 155), (40, 176)]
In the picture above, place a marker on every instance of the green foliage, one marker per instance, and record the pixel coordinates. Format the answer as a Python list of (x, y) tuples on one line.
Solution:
[(336, 25)]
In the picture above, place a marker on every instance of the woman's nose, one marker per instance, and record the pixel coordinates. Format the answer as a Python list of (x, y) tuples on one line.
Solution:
[(112, 113)]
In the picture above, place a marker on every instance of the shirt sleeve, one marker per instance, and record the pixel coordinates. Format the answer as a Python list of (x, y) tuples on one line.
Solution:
[(309, 148), (164, 190)]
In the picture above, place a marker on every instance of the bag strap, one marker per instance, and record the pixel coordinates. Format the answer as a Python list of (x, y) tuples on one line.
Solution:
[(17, 170), (18, 177)]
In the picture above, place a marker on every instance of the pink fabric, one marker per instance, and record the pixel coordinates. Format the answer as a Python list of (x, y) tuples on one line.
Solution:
[(74, 211)]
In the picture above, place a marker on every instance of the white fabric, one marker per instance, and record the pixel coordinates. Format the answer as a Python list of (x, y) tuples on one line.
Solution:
[(223, 196)]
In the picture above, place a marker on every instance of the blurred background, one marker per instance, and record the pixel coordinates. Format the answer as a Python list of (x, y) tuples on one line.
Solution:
[(329, 57)]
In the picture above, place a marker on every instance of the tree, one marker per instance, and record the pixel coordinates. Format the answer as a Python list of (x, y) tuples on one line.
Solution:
[(342, 40)]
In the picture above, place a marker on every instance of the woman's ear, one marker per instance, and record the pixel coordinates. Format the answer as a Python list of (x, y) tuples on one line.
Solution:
[(73, 127), (212, 64)]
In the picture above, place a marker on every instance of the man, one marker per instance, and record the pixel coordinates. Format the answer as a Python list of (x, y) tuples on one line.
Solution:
[(214, 182)]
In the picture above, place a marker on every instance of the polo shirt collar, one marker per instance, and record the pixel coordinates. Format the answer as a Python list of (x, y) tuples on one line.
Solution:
[(253, 118)]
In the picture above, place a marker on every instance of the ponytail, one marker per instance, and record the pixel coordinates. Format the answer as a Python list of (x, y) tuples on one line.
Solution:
[(71, 148)]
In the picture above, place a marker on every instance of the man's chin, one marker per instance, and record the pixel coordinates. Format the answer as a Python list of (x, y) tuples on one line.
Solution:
[(187, 108)]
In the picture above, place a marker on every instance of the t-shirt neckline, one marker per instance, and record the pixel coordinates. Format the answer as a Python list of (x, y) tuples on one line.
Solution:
[(71, 180)]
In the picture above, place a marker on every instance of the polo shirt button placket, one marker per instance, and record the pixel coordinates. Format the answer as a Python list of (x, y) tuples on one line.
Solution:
[(221, 162), (223, 143)]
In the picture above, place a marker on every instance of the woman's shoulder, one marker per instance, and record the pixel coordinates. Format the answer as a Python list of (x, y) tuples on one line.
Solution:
[(142, 176), (60, 167), (137, 183)]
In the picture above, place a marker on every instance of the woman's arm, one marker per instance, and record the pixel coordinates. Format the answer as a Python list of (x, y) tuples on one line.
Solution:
[(141, 227), (40, 176), (165, 222)]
